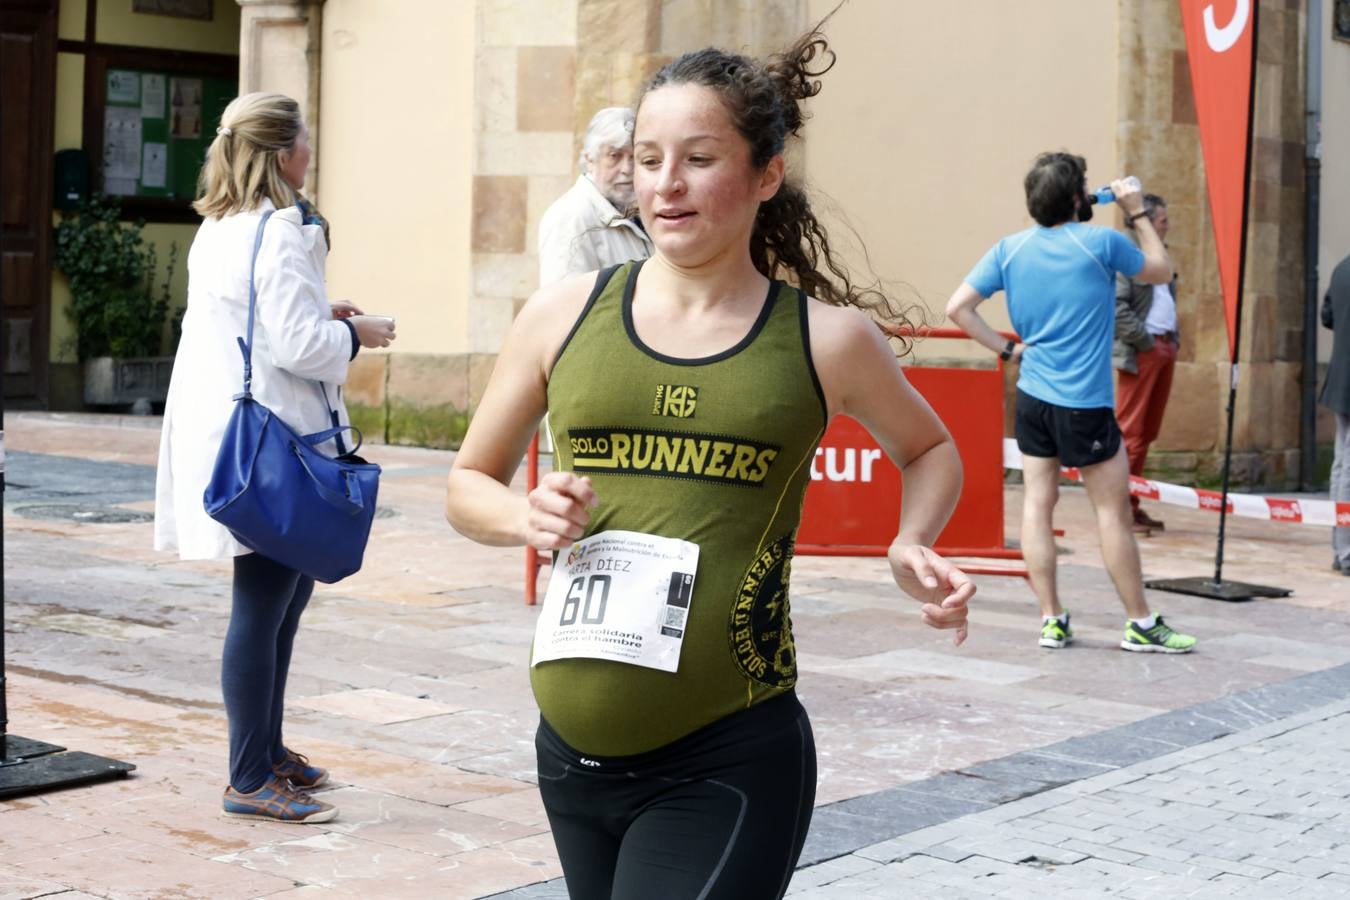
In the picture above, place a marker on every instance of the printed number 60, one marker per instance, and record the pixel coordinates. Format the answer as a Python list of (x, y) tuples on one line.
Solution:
[(589, 616)]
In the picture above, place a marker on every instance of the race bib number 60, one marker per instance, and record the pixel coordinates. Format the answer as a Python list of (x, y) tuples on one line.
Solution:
[(618, 595)]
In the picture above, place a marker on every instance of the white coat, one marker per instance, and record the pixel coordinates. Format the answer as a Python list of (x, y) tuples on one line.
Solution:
[(583, 232), (296, 345)]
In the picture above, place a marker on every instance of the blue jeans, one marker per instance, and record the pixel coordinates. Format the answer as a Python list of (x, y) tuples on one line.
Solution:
[(268, 601)]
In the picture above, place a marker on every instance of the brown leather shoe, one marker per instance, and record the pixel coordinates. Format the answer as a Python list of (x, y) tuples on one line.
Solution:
[(1145, 521)]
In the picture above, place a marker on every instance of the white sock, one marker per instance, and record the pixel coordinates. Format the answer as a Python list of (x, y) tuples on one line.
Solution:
[(1147, 622), (1062, 618)]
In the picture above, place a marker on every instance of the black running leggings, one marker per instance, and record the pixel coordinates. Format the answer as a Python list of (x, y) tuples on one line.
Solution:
[(721, 813)]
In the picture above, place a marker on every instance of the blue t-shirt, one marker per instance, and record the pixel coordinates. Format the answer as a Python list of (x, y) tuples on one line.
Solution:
[(1061, 287)]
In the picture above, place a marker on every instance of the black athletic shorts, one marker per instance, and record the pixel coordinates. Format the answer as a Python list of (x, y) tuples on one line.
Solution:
[(1078, 437), (719, 814)]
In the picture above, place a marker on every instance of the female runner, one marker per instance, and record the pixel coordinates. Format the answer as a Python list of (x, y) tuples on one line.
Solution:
[(686, 396)]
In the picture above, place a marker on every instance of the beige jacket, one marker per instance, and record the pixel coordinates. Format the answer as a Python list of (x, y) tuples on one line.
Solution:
[(583, 232)]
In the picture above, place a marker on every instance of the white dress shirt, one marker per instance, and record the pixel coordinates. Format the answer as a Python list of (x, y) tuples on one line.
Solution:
[(1162, 314)]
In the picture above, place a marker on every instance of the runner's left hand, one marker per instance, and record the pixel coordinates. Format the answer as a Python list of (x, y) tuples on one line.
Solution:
[(342, 309), (942, 588)]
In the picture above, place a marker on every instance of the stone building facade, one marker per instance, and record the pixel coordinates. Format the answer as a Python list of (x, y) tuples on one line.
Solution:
[(538, 69)]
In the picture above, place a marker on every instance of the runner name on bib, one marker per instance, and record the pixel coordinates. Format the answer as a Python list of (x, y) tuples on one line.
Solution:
[(618, 595)]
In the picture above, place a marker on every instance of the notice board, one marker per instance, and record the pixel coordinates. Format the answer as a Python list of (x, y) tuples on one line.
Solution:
[(156, 127), (149, 115)]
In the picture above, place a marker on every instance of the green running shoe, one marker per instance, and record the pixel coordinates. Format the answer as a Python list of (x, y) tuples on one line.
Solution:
[(1054, 635), (1158, 639)]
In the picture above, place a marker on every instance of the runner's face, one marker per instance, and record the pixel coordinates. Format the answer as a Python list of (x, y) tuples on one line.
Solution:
[(295, 161), (696, 189)]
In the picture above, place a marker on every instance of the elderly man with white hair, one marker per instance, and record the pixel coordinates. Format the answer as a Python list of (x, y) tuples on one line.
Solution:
[(586, 228)]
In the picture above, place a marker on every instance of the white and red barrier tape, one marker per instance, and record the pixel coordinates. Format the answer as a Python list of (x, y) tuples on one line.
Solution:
[(1253, 506)]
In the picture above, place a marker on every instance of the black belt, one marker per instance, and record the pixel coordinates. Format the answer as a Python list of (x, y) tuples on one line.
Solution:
[(1170, 336)]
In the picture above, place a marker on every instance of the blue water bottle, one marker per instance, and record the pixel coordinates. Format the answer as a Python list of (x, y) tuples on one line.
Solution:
[(1106, 195)]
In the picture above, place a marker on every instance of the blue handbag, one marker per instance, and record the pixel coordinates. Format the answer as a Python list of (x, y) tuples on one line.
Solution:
[(278, 494)]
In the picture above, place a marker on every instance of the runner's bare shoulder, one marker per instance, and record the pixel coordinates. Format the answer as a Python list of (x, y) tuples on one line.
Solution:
[(549, 315), (848, 351), (837, 331)]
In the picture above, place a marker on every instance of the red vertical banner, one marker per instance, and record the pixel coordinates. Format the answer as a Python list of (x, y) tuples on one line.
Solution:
[(1221, 46)]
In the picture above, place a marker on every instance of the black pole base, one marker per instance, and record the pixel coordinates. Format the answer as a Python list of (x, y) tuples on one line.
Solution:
[(1231, 591), (30, 767)]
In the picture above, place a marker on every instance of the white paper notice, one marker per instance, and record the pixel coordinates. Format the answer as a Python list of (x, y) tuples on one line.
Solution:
[(152, 96), (621, 596), (185, 101), (154, 165), (124, 86), (122, 143)]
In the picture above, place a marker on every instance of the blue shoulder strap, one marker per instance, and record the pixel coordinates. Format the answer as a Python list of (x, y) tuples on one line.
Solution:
[(246, 346), (338, 427)]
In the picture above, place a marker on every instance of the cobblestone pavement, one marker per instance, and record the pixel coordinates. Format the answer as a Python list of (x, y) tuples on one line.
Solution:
[(409, 683), (1261, 813)]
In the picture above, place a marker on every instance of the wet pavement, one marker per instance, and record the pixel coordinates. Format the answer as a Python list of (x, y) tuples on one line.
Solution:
[(409, 683)]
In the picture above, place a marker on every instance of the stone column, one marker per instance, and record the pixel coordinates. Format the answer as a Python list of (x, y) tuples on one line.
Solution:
[(279, 50), (617, 50), (1158, 140)]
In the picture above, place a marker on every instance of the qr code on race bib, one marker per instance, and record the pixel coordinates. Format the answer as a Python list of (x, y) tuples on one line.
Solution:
[(678, 593)]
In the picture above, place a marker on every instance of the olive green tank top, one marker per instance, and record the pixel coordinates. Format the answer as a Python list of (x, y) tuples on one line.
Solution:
[(716, 451)]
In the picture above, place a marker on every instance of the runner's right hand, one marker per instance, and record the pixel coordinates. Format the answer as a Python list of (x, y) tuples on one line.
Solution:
[(560, 508), (942, 588)]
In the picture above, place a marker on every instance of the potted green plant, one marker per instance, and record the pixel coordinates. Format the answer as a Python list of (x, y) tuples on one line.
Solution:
[(117, 308)]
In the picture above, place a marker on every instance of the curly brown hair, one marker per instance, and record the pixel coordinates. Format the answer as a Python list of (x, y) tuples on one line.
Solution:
[(763, 99)]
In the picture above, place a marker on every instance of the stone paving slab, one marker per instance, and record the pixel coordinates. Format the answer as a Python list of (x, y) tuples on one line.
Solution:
[(114, 649), (1260, 813)]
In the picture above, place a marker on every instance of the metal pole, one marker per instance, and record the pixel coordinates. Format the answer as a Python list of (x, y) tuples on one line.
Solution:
[(1241, 279), (1198, 586), (4, 707), (1228, 449), (1312, 177)]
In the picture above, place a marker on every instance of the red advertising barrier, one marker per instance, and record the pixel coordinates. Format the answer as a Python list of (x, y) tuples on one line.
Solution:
[(852, 505)]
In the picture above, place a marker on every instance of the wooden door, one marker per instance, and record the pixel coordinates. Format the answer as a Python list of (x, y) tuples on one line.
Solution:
[(27, 109)]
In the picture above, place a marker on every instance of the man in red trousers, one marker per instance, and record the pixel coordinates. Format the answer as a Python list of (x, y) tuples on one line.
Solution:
[(1145, 353)]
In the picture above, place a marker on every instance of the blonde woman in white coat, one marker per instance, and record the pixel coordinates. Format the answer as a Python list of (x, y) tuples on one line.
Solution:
[(255, 164)]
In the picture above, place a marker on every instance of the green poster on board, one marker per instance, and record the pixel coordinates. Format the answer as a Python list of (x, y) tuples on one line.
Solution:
[(156, 128)]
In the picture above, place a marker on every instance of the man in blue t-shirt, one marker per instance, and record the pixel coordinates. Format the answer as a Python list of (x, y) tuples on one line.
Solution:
[(1060, 282)]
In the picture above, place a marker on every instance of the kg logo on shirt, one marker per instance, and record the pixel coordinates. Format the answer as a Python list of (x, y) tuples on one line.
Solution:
[(675, 400)]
